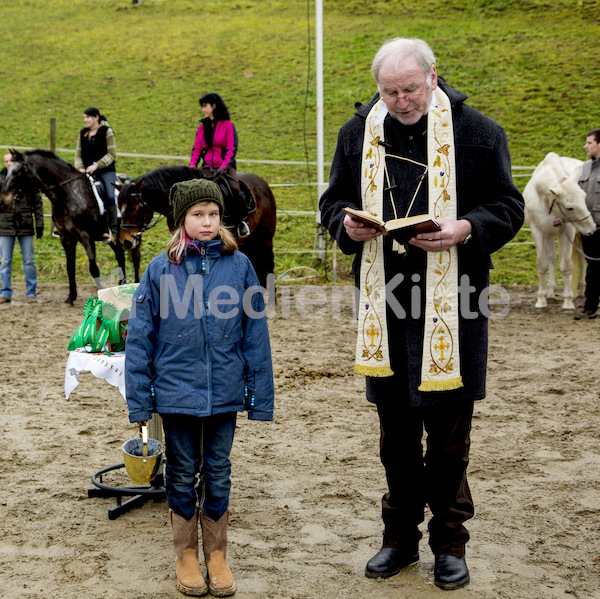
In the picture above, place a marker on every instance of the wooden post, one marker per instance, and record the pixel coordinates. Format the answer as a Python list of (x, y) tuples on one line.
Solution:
[(53, 134), (155, 431), (155, 428), (334, 262)]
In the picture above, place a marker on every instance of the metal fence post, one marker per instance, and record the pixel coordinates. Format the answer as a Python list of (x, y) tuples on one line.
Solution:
[(53, 134)]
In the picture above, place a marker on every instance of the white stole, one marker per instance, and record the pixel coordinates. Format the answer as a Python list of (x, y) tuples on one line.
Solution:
[(440, 366)]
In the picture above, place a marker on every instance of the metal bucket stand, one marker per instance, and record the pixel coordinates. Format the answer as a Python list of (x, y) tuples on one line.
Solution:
[(139, 494)]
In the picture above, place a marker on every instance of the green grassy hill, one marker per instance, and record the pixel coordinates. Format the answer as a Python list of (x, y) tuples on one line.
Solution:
[(531, 65)]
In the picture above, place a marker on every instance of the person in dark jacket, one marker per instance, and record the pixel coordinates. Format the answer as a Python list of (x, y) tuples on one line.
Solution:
[(198, 352), (417, 148), (95, 155), (19, 225), (589, 181)]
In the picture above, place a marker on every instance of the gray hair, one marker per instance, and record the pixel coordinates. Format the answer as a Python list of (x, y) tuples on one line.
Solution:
[(400, 48)]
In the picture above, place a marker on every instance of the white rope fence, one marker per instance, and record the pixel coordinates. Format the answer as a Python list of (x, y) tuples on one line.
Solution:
[(527, 170)]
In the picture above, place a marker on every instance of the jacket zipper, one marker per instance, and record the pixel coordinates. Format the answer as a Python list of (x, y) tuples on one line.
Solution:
[(203, 325)]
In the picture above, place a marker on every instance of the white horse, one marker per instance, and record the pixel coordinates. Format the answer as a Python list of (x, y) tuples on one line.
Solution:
[(553, 192)]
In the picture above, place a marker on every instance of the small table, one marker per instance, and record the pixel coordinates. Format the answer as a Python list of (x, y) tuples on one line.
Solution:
[(111, 368)]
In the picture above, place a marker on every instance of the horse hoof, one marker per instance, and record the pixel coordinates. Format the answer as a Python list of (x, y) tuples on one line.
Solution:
[(70, 300), (541, 304)]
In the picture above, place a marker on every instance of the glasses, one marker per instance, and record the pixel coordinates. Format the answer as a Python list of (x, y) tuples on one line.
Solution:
[(407, 94)]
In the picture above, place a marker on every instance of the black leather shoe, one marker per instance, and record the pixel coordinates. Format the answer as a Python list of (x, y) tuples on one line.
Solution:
[(388, 562), (450, 572)]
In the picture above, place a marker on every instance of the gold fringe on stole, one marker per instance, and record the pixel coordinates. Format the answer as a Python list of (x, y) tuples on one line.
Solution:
[(449, 385), (373, 371)]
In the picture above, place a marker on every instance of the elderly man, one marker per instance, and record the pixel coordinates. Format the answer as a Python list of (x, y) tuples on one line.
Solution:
[(589, 181), (422, 326)]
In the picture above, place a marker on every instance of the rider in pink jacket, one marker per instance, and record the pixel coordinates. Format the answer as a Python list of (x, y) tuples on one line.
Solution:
[(221, 152), (216, 146)]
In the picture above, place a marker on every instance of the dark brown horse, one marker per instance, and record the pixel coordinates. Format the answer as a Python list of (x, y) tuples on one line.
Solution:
[(75, 211), (149, 194)]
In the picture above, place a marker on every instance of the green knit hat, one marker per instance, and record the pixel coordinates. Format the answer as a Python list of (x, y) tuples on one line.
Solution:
[(187, 193)]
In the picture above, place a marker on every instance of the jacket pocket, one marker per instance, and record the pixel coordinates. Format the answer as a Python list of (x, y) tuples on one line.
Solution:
[(228, 369), (227, 336), (178, 336)]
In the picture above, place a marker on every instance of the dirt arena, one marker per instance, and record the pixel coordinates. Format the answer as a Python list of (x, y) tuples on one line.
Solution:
[(306, 487)]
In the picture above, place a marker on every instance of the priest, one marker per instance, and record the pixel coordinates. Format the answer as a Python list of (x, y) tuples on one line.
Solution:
[(417, 148)]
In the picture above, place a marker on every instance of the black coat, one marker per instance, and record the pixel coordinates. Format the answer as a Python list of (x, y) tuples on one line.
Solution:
[(486, 196), (21, 221)]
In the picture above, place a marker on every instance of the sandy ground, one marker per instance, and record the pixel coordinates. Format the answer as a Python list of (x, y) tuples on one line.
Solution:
[(306, 487)]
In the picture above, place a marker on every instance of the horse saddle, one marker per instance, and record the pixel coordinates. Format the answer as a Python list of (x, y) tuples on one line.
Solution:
[(99, 193), (245, 193)]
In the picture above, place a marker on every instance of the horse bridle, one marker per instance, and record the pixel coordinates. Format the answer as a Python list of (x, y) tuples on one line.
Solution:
[(566, 218), (141, 205)]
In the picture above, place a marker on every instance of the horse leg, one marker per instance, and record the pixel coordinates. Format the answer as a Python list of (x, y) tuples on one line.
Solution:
[(582, 269), (566, 269), (257, 256), (269, 270), (69, 247), (120, 256), (551, 255), (544, 246), (579, 266), (136, 256), (90, 250)]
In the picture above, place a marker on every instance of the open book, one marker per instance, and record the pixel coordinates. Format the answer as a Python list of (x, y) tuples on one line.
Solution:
[(400, 229)]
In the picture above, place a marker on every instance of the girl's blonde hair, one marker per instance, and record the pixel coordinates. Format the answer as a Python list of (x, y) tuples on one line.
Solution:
[(180, 242)]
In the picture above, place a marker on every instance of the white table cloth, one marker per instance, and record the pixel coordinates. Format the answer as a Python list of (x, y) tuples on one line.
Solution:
[(110, 367)]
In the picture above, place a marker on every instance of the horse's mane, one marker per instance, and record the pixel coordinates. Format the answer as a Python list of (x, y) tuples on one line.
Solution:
[(52, 156), (165, 176)]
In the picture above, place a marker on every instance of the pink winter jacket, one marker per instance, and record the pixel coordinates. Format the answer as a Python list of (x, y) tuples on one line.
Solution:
[(215, 157)]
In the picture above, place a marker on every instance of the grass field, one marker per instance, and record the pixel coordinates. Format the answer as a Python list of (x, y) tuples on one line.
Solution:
[(531, 65)]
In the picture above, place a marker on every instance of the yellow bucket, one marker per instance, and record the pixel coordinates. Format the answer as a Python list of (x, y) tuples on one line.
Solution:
[(142, 457)]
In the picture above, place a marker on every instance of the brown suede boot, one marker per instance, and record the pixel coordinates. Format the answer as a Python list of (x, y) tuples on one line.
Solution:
[(214, 543), (185, 541)]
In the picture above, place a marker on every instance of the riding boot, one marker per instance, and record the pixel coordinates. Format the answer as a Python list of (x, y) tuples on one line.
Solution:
[(185, 542), (214, 543), (112, 221)]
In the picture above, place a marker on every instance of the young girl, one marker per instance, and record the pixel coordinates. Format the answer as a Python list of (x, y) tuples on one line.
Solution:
[(197, 353)]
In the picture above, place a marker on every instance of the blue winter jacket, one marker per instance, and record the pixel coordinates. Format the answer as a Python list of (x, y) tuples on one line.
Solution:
[(191, 341)]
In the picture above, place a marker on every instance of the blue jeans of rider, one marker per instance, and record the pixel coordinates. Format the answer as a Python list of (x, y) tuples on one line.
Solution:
[(198, 470), (108, 178), (7, 244)]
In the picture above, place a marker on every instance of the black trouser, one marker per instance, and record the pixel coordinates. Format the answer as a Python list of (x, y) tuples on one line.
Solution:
[(438, 479), (591, 248)]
